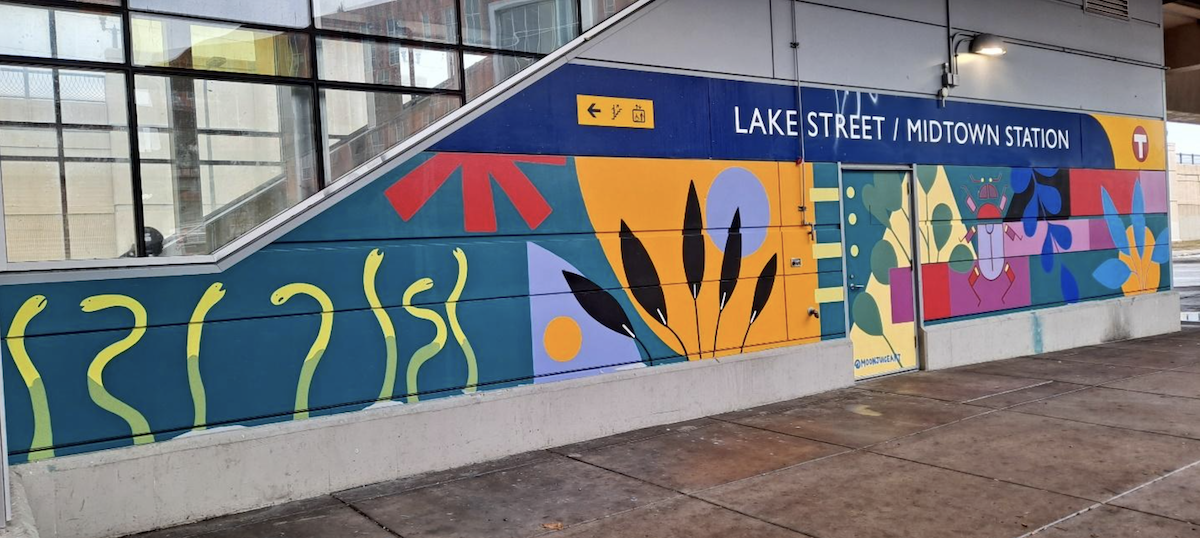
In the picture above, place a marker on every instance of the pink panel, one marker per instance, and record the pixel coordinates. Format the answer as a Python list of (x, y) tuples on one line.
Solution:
[(902, 294)]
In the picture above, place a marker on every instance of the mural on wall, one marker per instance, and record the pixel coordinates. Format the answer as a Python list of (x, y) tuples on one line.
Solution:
[(625, 263), (879, 271), (1035, 237), (526, 248)]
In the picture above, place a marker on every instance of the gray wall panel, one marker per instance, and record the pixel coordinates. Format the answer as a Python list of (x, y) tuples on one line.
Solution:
[(848, 46), (1062, 24), (858, 49), (724, 36), (1042, 77), (1146, 10), (930, 11)]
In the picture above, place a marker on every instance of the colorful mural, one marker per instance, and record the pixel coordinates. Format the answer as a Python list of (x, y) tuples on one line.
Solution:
[(1002, 239), (602, 249), (879, 271), (632, 262)]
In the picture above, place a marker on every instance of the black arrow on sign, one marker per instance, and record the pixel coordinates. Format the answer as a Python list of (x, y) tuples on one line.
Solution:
[(592, 109)]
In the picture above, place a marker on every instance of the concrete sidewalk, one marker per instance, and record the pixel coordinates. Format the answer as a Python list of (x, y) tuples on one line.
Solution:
[(1094, 442)]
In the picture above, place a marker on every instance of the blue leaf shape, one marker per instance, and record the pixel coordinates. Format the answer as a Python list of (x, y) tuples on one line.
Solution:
[(1162, 247), (1116, 228), (1138, 216), (1030, 216), (1046, 172), (1021, 178), (1051, 199), (1030, 225), (1047, 254), (1112, 274), (1061, 235), (1070, 288)]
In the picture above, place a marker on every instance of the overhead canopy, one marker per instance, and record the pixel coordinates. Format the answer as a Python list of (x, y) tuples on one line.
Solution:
[(1181, 26)]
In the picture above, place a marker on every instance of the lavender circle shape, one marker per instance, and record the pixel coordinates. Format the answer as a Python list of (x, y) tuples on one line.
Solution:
[(737, 189)]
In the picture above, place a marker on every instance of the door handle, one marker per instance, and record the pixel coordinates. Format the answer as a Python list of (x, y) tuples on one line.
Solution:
[(856, 287)]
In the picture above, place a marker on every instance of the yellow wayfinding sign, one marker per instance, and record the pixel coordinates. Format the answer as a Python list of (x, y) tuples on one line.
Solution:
[(615, 111)]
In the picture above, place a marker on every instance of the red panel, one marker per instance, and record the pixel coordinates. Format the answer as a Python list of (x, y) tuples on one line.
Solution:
[(1085, 190), (935, 285)]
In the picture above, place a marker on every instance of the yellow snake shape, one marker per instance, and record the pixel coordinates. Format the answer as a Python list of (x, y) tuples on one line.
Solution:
[(95, 372), (211, 296), (370, 269), (319, 345), (427, 351), (456, 328), (43, 435)]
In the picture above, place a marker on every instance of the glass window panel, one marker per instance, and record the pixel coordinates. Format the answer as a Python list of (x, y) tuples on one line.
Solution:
[(378, 62), (172, 42), (361, 125), (595, 11), (60, 33), (486, 70), (227, 157), (67, 187), (525, 25), (428, 20), (289, 13)]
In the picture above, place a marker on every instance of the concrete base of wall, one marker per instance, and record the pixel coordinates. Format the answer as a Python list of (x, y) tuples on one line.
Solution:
[(1041, 331), (22, 524), (121, 491)]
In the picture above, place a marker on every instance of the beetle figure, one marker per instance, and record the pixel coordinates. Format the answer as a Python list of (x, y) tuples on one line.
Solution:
[(992, 231)]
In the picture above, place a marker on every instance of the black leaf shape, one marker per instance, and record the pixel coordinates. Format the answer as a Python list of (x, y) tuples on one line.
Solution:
[(762, 290), (693, 242), (599, 304), (731, 265), (642, 276)]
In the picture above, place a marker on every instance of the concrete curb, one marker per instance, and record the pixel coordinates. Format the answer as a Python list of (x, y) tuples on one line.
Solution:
[(141, 488), (1052, 329), (22, 524)]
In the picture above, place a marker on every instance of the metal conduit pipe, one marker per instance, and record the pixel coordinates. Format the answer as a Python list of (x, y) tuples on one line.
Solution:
[(795, 44)]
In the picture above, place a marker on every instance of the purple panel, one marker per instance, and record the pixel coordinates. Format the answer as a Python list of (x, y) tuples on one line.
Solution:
[(550, 298), (1081, 234), (1101, 238), (990, 295), (902, 294), (1154, 190)]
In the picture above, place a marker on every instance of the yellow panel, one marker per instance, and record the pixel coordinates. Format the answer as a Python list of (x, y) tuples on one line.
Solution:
[(615, 112), (1137, 143), (830, 295), (825, 194), (823, 251)]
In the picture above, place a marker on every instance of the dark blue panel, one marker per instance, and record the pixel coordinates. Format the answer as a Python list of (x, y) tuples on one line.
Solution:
[(542, 118), (833, 320), (829, 279), (829, 265), (754, 121), (858, 127), (704, 118), (825, 175), (829, 233)]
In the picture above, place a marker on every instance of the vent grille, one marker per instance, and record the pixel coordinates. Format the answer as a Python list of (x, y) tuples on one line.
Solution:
[(1116, 9)]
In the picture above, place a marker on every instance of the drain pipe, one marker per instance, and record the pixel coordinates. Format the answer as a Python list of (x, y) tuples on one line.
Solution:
[(795, 44)]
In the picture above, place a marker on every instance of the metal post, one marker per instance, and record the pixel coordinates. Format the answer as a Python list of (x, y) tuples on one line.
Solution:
[(5, 486)]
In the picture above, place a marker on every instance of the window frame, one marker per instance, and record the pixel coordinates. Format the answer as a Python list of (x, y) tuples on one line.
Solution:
[(329, 188)]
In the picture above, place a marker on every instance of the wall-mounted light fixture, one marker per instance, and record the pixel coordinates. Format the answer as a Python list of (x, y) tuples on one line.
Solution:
[(985, 44)]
